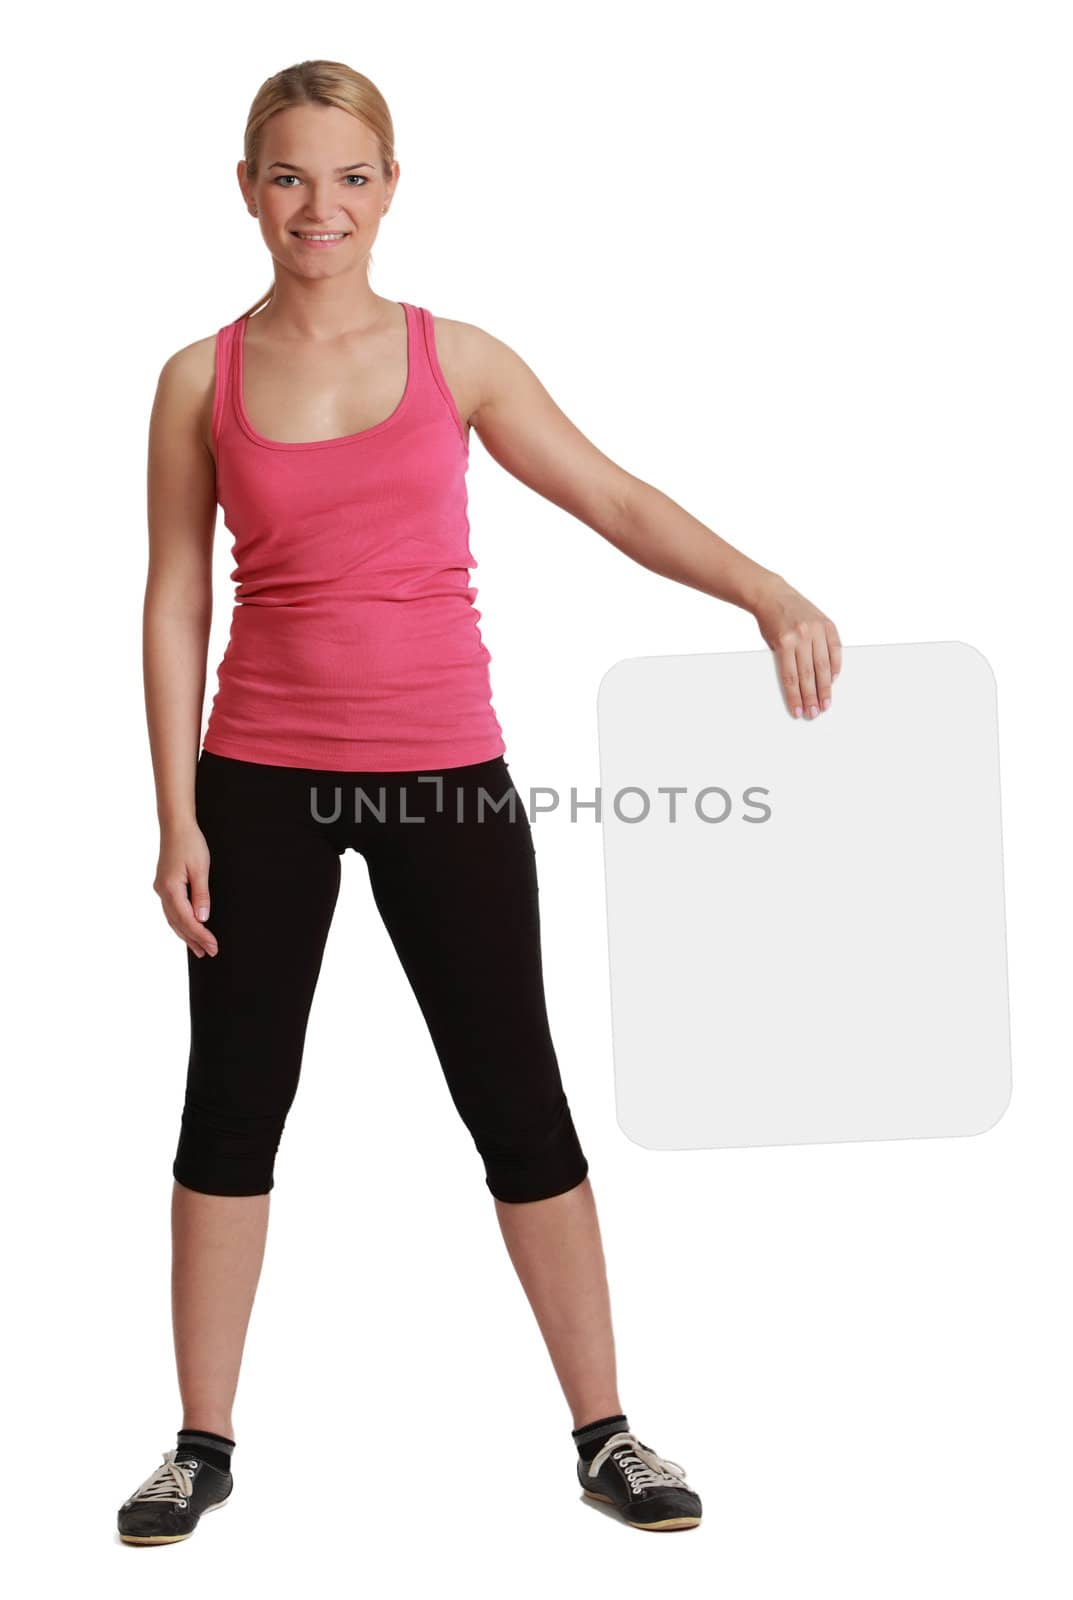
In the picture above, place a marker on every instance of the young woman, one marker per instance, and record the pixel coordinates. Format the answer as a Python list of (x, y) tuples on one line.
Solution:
[(354, 710)]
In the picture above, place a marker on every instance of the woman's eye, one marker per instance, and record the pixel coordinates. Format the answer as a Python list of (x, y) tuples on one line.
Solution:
[(282, 178)]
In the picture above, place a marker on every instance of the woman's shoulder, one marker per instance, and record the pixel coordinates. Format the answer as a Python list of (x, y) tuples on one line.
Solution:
[(467, 355), (461, 339), (189, 365), (478, 365), (188, 381)]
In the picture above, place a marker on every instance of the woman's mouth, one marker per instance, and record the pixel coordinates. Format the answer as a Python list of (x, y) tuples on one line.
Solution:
[(319, 241)]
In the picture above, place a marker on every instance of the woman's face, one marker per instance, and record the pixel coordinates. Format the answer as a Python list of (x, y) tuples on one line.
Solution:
[(320, 173)]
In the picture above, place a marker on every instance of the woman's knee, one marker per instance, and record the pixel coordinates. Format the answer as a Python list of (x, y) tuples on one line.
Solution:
[(535, 1163), (227, 1152)]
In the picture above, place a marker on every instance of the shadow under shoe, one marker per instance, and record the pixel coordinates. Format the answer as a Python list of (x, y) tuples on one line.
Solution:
[(172, 1500), (648, 1491)]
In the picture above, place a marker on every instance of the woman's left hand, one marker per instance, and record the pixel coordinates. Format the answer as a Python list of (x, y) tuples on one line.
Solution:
[(806, 645)]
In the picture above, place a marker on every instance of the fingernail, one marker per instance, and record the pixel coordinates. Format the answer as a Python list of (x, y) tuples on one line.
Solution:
[(797, 711), (202, 913), (827, 702)]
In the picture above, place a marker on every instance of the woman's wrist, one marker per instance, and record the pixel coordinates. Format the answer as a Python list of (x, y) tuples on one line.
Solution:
[(759, 585), (174, 820)]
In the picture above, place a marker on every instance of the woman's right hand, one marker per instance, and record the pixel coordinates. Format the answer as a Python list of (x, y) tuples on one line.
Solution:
[(184, 864)]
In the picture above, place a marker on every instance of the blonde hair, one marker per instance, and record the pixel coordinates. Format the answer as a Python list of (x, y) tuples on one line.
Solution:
[(317, 83)]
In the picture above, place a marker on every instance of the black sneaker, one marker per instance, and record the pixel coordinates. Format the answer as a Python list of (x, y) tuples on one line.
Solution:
[(169, 1504), (648, 1491)]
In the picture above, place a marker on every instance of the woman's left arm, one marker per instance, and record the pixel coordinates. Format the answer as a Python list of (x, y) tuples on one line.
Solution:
[(523, 429)]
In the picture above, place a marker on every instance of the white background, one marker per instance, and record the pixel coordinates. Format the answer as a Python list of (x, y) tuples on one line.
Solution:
[(805, 268)]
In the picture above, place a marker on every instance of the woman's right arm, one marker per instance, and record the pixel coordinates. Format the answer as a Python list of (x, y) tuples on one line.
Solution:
[(175, 629)]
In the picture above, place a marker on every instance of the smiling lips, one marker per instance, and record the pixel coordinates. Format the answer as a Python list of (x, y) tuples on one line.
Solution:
[(319, 241)]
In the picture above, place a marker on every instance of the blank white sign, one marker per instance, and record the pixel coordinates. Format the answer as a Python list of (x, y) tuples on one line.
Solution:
[(807, 942)]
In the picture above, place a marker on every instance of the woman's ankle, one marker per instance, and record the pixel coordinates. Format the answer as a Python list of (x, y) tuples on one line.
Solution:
[(224, 1428)]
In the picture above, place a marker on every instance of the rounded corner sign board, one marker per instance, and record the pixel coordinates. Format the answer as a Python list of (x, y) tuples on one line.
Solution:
[(806, 918)]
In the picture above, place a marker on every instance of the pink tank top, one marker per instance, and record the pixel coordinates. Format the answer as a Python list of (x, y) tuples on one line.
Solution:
[(354, 641)]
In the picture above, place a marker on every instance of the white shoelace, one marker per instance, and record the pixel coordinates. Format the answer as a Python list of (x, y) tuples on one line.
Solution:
[(642, 1466), (171, 1481)]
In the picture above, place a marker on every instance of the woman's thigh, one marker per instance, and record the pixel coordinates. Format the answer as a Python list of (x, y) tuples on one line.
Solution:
[(273, 884), (460, 901)]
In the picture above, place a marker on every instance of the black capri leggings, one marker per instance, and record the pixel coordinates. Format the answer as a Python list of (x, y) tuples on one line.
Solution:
[(454, 878)]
